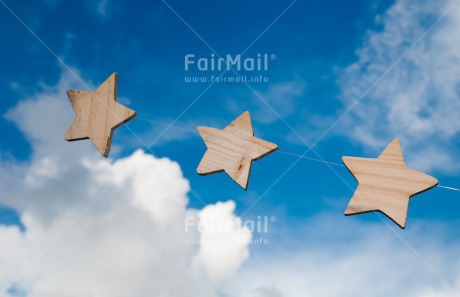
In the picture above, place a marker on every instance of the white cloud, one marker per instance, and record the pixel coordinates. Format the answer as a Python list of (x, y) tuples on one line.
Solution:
[(418, 100), (223, 248), (97, 227), (334, 256)]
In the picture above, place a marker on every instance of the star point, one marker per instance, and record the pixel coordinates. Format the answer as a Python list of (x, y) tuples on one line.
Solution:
[(386, 184), (98, 114), (233, 149)]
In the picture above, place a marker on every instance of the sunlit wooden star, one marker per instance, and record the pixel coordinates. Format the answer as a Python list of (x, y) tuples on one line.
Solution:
[(386, 184), (98, 115), (233, 149)]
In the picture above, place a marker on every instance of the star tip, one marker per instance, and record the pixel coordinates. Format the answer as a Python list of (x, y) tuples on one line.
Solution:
[(349, 211), (345, 158), (104, 151), (402, 226), (244, 187), (245, 114), (243, 183), (67, 135), (113, 77), (70, 92), (401, 222), (200, 171)]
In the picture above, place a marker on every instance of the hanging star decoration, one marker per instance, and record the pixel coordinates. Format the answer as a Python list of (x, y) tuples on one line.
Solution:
[(233, 149), (386, 184), (98, 115)]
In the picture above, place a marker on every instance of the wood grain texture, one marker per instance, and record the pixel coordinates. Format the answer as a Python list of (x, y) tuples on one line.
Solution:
[(386, 184), (98, 114), (233, 149)]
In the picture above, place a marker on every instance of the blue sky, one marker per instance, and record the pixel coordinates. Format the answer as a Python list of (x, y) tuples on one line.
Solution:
[(398, 58)]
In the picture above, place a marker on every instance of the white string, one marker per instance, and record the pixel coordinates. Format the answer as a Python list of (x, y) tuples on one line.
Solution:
[(281, 152), (312, 159), (166, 124), (449, 188)]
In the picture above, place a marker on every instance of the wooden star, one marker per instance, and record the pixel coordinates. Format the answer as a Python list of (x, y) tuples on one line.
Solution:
[(98, 115), (233, 149), (386, 184)]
